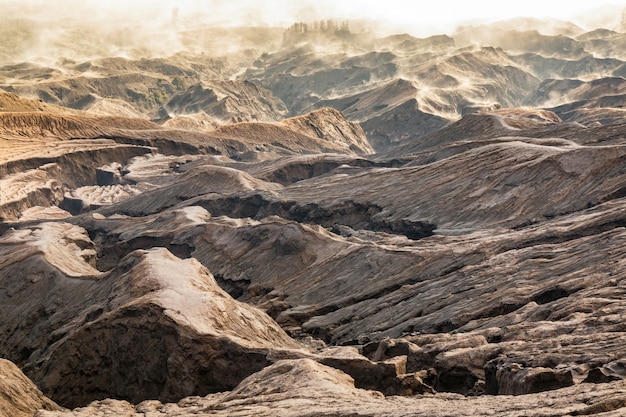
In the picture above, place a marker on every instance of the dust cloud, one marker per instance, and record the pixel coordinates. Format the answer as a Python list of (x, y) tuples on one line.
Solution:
[(44, 31)]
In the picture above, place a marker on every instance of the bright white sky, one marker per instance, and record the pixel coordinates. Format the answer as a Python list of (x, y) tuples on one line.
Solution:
[(456, 10), (434, 16), (442, 14)]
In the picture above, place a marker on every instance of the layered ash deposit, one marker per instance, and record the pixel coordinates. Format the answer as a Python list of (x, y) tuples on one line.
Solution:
[(315, 221)]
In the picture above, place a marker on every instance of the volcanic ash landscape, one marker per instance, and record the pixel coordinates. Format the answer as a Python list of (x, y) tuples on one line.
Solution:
[(312, 220)]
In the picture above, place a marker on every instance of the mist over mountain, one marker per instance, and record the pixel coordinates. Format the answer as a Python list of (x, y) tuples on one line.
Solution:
[(291, 211)]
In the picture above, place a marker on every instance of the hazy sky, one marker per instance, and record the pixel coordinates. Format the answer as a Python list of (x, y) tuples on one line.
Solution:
[(443, 14), (421, 16)]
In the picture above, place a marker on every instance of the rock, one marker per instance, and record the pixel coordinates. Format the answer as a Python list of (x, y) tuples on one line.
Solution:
[(89, 198), (330, 125), (307, 254), (324, 130), (293, 377), (39, 171), (480, 253), (291, 169), (103, 408), (435, 195), (606, 405), (494, 317), (388, 376), (554, 92), (514, 379), (306, 388), (156, 320), (44, 213), (36, 187), (414, 383), (19, 397), (600, 375), (109, 175), (403, 123), (228, 101)]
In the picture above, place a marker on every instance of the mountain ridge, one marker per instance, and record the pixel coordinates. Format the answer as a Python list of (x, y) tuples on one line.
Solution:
[(317, 221)]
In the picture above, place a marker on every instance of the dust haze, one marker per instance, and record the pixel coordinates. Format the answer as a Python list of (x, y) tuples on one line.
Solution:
[(45, 32), (42, 31)]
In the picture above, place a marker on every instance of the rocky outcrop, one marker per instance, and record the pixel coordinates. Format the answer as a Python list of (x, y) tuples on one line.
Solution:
[(388, 113), (306, 388), (41, 175), (19, 397), (228, 101), (432, 286), (296, 168), (330, 125), (474, 267), (437, 194), (552, 93), (155, 319), (403, 123), (308, 254), (324, 130), (475, 128), (514, 379), (10, 102)]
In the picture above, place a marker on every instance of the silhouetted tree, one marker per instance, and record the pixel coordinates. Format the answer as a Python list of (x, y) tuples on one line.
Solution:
[(302, 31)]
